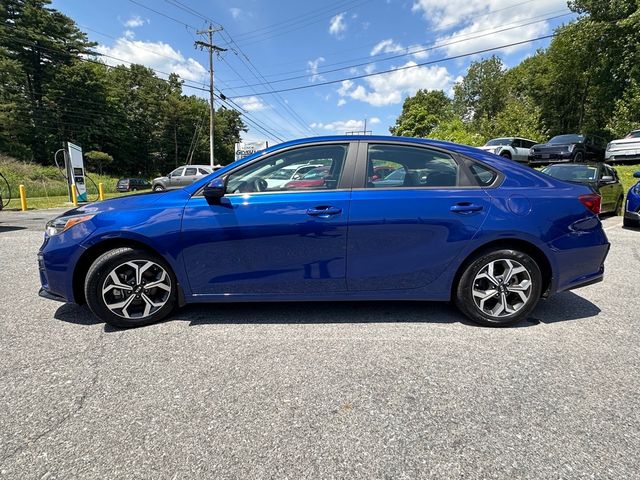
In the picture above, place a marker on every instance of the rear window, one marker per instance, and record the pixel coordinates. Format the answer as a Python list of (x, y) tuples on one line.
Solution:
[(482, 175), (572, 172)]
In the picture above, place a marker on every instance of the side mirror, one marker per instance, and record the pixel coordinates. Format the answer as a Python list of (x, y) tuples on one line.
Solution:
[(636, 175), (607, 178), (215, 190)]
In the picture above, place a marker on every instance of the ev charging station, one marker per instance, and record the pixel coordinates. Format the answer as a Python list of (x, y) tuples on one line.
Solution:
[(74, 166)]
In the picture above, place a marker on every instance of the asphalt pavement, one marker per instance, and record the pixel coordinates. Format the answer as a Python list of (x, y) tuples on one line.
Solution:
[(320, 390)]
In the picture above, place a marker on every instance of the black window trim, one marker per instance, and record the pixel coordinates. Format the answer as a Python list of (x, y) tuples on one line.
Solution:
[(466, 180), (346, 178)]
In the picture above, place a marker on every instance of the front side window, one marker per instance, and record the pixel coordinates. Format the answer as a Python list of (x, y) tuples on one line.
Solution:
[(323, 165), (411, 167), (177, 172)]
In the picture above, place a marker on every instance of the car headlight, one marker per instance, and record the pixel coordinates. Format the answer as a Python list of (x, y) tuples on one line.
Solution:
[(60, 224), (571, 148), (497, 150), (608, 146), (531, 152)]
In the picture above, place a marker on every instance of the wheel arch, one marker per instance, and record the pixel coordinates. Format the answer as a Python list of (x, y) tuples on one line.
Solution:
[(94, 251), (514, 244)]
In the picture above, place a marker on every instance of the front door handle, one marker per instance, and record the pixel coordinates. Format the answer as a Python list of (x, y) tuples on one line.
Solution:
[(466, 207), (324, 211)]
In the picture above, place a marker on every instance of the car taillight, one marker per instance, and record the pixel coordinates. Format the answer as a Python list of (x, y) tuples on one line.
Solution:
[(591, 202)]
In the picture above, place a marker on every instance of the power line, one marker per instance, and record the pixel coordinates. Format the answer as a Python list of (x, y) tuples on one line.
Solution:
[(408, 52), (407, 67)]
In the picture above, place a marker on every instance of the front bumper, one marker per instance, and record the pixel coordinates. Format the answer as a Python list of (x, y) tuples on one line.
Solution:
[(543, 158), (51, 296)]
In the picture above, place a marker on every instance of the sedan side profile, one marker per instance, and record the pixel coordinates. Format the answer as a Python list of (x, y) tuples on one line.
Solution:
[(464, 225)]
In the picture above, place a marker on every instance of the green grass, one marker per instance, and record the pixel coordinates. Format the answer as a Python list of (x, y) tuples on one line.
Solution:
[(625, 172), (45, 186)]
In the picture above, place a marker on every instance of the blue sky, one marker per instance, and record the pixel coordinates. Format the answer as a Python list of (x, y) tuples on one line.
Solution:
[(284, 44)]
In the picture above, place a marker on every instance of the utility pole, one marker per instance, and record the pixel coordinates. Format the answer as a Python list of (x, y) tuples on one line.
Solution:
[(212, 48)]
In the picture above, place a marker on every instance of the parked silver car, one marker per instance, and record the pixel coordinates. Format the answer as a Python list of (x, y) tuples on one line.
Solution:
[(626, 149), (182, 176), (514, 148)]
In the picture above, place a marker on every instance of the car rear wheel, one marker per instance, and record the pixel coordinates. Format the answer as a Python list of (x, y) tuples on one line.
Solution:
[(127, 288), (506, 155), (618, 210), (499, 288), (158, 188), (578, 157)]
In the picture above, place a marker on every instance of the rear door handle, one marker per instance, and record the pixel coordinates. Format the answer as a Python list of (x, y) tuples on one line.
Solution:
[(324, 211), (466, 207)]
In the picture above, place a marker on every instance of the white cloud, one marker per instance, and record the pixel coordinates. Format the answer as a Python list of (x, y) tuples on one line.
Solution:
[(341, 102), (390, 88), (385, 46), (463, 18), (129, 34), (135, 21), (337, 25), (341, 126), (313, 69), (235, 12), (157, 55), (251, 104)]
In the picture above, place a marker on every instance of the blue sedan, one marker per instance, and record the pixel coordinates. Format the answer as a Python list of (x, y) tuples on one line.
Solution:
[(632, 208), (464, 225)]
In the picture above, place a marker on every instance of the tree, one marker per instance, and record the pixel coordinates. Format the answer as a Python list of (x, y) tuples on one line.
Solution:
[(421, 113), (101, 158), (480, 94), (457, 131)]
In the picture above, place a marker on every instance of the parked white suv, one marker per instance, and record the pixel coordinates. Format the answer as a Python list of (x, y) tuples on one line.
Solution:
[(514, 148), (280, 177), (626, 149)]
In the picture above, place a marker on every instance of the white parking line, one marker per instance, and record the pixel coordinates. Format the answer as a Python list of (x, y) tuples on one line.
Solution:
[(613, 226)]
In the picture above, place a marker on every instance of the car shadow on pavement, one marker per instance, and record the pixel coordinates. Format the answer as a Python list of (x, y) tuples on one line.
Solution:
[(563, 307)]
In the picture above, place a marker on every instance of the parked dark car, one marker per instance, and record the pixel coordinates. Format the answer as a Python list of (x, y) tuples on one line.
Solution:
[(487, 233), (569, 148), (132, 184), (601, 177)]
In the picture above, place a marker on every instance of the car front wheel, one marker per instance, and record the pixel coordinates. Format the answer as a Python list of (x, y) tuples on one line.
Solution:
[(126, 288), (158, 188), (499, 288)]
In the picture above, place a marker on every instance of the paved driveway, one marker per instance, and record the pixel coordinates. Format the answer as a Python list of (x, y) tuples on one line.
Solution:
[(351, 390)]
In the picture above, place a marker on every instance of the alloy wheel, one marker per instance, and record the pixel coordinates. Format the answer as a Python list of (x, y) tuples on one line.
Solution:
[(136, 289), (502, 287)]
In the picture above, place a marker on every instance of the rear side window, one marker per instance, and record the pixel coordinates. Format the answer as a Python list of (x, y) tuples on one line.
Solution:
[(202, 171), (409, 167), (482, 175)]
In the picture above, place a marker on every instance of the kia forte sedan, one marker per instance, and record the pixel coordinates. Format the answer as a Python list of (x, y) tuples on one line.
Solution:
[(464, 225)]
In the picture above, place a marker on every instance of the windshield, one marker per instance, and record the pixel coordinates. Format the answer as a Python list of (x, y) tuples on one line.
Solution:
[(634, 134), (572, 172), (499, 141), (565, 139)]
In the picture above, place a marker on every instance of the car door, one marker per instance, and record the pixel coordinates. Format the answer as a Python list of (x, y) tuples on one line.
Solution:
[(608, 188), (174, 178), (189, 176), (282, 241), (517, 150), (404, 236)]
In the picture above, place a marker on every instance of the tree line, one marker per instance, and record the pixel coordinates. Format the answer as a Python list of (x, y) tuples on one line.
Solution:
[(53, 89), (587, 80)]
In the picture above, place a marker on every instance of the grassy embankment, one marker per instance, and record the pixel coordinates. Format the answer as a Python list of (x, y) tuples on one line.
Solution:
[(45, 186)]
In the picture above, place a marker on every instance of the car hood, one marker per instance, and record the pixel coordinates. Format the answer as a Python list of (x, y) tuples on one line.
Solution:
[(491, 148), (157, 179), (626, 141), (131, 202)]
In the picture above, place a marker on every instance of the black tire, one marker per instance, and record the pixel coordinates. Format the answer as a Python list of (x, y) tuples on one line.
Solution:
[(158, 188), (578, 157), (506, 155), (465, 300), (629, 223), (618, 209), (101, 269)]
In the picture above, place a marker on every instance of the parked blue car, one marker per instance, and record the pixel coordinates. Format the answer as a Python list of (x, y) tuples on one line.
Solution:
[(632, 207), (465, 225)]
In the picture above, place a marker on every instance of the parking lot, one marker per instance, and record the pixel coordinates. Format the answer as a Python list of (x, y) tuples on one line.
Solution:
[(324, 390)]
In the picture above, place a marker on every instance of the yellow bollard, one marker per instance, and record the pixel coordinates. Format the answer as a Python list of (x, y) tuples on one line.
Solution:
[(74, 195), (100, 191), (23, 198)]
